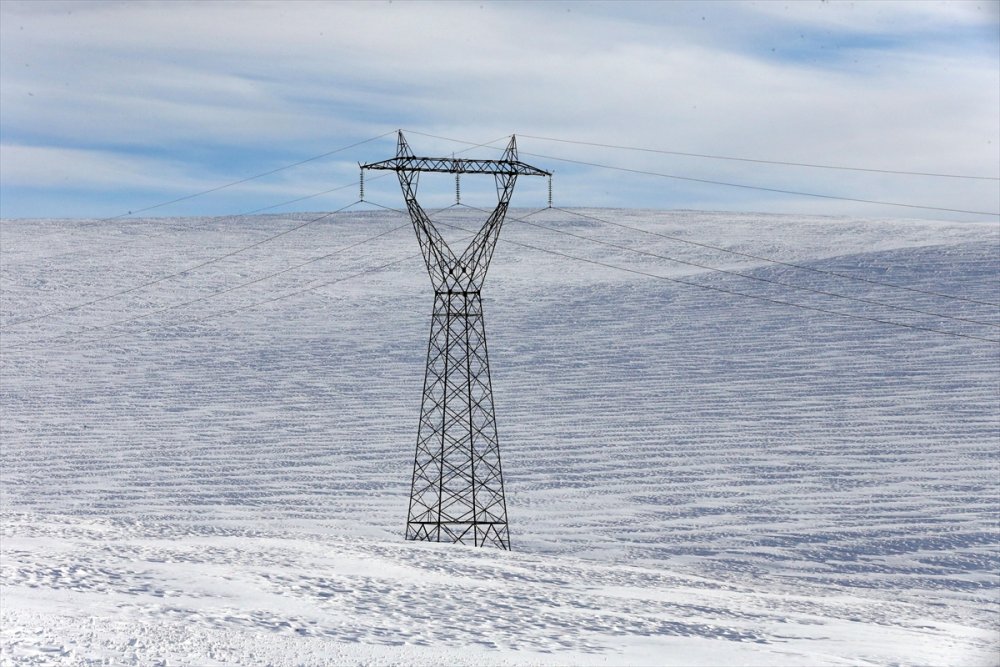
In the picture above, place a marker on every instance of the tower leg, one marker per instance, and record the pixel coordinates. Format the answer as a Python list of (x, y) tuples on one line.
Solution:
[(457, 492)]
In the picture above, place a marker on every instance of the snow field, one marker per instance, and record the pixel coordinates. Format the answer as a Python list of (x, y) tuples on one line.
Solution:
[(692, 477)]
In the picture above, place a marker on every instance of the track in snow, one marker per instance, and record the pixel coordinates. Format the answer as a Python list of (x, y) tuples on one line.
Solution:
[(642, 423)]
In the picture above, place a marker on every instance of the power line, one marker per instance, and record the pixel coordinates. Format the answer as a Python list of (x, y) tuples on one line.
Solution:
[(311, 288), (178, 273), (253, 305), (231, 184), (572, 257), (248, 178), (211, 261), (277, 298), (110, 246), (220, 292), (776, 261), (739, 185), (742, 294), (761, 188), (748, 255), (733, 292), (759, 161), (752, 277)]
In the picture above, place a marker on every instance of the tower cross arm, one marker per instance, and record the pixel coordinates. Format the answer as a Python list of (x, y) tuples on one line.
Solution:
[(452, 165)]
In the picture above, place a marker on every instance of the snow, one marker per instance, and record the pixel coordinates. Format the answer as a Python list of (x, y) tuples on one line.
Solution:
[(692, 477)]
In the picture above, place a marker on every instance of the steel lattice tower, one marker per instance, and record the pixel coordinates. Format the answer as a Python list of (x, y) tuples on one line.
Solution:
[(457, 491)]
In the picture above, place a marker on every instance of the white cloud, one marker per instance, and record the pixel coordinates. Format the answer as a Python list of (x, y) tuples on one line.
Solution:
[(882, 15), (300, 78), (46, 166)]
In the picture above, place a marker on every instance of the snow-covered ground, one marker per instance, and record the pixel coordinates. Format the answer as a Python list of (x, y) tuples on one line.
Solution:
[(692, 477)]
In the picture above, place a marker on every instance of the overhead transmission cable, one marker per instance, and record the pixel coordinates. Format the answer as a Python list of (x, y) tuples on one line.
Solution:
[(752, 256), (737, 293), (776, 261), (229, 185), (595, 262), (571, 257), (238, 251), (249, 178), (523, 220), (736, 185), (225, 290), (262, 302), (761, 188), (177, 274), (760, 161), (214, 219), (249, 306), (238, 182)]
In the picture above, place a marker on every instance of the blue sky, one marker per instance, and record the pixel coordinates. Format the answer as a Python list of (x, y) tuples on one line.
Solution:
[(108, 107)]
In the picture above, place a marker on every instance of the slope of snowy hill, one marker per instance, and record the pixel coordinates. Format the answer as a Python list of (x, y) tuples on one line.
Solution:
[(693, 476)]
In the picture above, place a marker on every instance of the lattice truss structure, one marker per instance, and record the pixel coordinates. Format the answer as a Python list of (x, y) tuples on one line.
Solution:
[(457, 493)]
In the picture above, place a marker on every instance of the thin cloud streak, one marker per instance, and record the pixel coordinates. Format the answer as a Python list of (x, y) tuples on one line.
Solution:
[(208, 92)]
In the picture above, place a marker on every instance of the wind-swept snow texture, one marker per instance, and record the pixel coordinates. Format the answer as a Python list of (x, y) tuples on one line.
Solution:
[(692, 477)]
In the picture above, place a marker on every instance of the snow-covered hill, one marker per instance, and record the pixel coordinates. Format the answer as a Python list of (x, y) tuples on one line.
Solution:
[(693, 477)]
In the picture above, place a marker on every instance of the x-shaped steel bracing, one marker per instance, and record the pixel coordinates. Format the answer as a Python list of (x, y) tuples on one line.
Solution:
[(457, 491)]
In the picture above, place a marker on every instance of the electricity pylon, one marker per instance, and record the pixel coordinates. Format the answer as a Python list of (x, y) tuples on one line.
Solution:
[(457, 490)]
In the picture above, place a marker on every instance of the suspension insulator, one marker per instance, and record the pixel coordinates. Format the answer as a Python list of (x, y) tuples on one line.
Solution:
[(362, 185), (458, 190), (550, 191)]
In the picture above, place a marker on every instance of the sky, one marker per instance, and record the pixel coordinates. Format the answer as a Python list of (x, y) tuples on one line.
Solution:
[(108, 108)]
